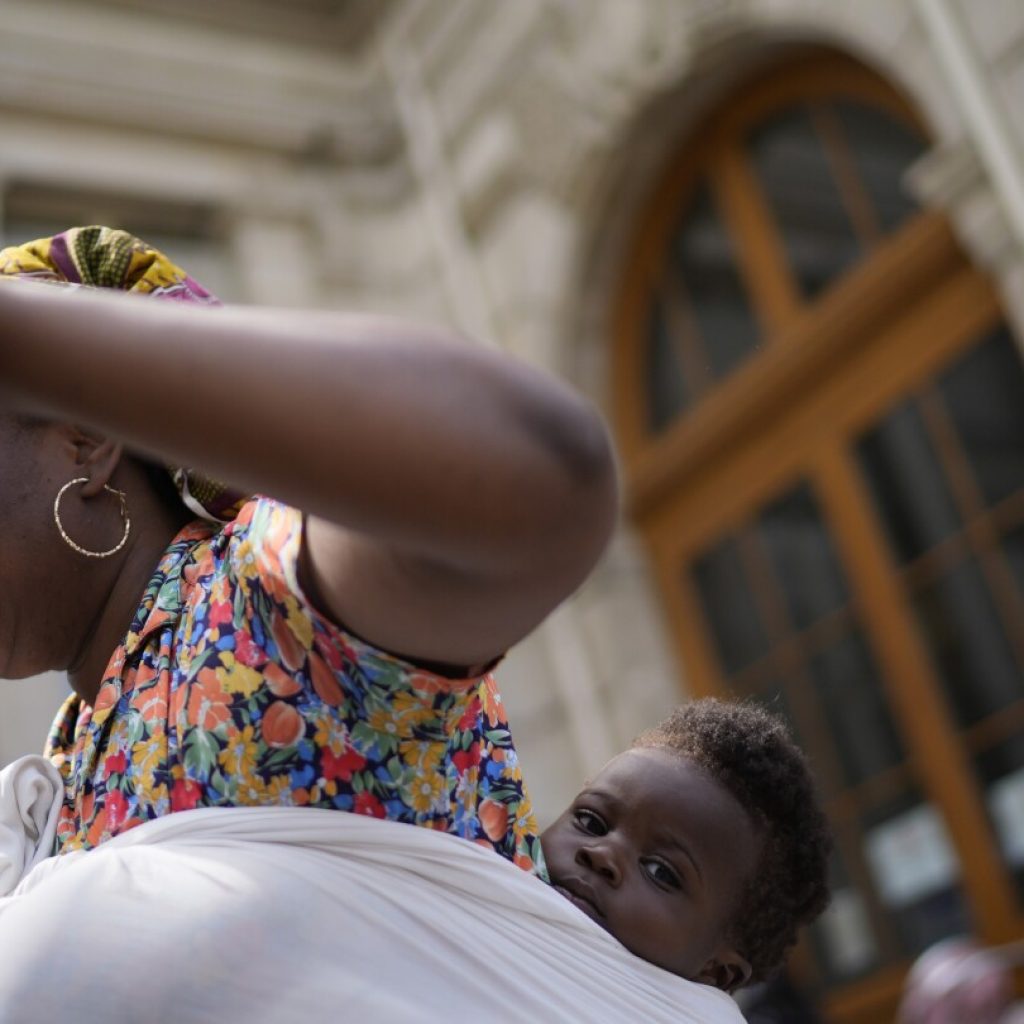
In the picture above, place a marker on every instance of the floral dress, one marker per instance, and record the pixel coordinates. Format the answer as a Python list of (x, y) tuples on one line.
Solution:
[(230, 689)]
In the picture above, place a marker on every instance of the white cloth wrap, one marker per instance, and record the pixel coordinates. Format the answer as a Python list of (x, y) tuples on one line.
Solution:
[(271, 915), (30, 797)]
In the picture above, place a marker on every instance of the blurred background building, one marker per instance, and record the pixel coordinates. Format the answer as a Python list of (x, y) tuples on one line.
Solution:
[(780, 242)]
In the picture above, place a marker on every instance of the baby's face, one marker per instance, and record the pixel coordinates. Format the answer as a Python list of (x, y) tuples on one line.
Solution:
[(657, 853)]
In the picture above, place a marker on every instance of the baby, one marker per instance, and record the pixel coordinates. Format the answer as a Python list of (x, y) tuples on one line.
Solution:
[(702, 848)]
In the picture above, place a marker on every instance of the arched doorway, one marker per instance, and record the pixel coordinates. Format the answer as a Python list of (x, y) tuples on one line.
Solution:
[(821, 413)]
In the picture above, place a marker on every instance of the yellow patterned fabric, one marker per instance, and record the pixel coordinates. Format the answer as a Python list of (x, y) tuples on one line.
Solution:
[(100, 257)]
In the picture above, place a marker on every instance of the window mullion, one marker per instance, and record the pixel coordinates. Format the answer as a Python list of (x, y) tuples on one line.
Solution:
[(760, 254)]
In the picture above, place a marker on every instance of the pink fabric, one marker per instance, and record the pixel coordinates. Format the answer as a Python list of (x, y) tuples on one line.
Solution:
[(956, 982)]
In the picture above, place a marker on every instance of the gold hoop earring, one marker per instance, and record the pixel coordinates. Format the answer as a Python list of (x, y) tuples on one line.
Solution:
[(122, 499)]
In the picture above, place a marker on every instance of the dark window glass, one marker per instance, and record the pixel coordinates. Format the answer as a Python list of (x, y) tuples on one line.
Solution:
[(848, 685), (969, 648), (800, 551), (843, 937), (729, 606), (916, 872), (667, 393), (906, 481), (1001, 772), (984, 392), (882, 148), (798, 185), (703, 267), (1013, 548)]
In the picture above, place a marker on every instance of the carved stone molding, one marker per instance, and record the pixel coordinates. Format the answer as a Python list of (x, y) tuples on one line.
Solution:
[(135, 70), (951, 178)]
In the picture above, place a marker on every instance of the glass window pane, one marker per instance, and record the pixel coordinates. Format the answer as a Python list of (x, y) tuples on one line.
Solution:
[(843, 937), (906, 481), (704, 268), (848, 685), (797, 182), (916, 872), (984, 392), (882, 148), (729, 606), (800, 551), (969, 648), (1001, 771), (667, 393), (1013, 548)]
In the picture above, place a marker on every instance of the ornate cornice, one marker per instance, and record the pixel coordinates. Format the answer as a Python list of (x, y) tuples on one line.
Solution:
[(135, 69)]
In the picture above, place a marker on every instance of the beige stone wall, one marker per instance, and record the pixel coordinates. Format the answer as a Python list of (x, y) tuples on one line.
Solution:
[(478, 162), (26, 709)]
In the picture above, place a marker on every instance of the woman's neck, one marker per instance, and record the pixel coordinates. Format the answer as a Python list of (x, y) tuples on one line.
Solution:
[(155, 526)]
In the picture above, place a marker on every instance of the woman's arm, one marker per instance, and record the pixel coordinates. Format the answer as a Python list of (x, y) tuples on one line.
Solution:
[(454, 495)]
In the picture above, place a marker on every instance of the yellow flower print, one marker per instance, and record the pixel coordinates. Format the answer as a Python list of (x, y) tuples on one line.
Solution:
[(383, 720), (525, 819), (425, 792), (300, 623), (249, 790), (147, 756), (422, 754), (330, 733), (159, 798), (278, 791), (466, 791), (220, 590), (237, 678), (245, 561), (240, 754), (409, 710)]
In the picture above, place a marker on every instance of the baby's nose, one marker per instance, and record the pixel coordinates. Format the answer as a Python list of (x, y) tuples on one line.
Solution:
[(602, 859)]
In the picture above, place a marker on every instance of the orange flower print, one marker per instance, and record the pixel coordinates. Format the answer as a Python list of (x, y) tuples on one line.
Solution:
[(282, 725), (324, 682), (279, 682), (208, 705), (493, 706), (292, 654), (493, 818)]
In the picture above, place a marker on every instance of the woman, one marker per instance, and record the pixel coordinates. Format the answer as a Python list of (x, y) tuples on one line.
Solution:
[(449, 499)]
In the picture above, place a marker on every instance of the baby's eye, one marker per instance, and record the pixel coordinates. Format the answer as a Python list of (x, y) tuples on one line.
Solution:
[(590, 822), (661, 874)]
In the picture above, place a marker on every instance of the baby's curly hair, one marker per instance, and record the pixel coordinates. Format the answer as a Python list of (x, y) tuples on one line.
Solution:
[(750, 752)]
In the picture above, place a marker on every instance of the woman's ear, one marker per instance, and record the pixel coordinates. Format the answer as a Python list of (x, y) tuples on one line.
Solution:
[(728, 971), (98, 458)]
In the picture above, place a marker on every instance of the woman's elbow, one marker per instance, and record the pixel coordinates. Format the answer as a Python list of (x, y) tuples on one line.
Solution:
[(583, 503)]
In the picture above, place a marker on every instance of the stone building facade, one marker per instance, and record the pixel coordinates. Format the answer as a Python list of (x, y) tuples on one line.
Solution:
[(486, 164)]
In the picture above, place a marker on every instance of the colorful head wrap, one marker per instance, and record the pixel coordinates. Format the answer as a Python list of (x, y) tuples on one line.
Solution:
[(99, 257)]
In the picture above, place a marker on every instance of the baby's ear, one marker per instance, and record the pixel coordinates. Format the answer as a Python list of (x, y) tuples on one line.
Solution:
[(728, 971)]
